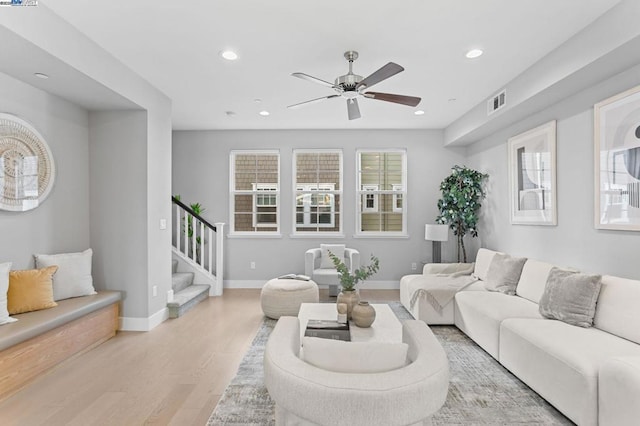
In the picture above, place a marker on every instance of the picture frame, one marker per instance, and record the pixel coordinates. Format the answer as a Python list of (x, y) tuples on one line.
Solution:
[(617, 162), (532, 176)]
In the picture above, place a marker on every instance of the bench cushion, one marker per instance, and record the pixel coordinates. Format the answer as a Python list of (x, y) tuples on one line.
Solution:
[(32, 324)]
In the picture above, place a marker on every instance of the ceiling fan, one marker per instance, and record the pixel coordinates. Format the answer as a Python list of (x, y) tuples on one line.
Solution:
[(351, 86)]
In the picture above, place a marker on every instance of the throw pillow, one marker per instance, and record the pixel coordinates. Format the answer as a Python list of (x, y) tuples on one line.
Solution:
[(354, 357), (325, 260), (504, 273), (570, 297), (73, 278), (31, 290), (4, 288)]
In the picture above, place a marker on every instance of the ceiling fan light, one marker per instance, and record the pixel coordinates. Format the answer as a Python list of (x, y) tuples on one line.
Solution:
[(474, 53)]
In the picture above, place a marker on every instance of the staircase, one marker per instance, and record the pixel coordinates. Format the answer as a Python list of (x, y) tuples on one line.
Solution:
[(186, 294), (197, 254)]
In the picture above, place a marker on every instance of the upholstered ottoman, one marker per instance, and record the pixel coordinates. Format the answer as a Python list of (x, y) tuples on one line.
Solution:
[(281, 297)]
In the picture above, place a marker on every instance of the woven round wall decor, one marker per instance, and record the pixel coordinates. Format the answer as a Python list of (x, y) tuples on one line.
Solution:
[(27, 171)]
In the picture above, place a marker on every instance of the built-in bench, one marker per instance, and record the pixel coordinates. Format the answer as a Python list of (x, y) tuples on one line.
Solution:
[(40, 340)]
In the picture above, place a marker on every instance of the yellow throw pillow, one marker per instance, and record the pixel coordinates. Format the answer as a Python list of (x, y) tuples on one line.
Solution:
[(31, 290)]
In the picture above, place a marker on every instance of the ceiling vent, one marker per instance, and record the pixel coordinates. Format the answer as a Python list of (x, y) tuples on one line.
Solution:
[(497, 102)]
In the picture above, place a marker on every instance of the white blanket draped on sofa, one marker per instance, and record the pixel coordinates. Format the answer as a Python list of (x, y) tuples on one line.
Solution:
[(440, 289)]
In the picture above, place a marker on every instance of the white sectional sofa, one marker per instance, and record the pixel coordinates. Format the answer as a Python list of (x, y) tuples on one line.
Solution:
[(592, 375)]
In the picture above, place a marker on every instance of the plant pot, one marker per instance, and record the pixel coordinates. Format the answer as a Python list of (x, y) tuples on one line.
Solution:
[(351, 298), (363, 314)]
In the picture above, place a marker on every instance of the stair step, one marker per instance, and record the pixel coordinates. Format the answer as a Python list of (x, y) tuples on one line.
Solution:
[(174, 266), (181, 280), (187, 298)]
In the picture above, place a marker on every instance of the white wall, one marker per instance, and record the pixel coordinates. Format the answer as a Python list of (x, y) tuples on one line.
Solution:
[(574, 241), (61, 222), (201, 174)]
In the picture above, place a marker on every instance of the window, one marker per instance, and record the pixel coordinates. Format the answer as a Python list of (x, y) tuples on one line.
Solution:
[(255, 192), (381, 183), (317, 191)]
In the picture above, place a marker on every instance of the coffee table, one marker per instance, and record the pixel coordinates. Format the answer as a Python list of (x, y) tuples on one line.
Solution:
[(386, 327)]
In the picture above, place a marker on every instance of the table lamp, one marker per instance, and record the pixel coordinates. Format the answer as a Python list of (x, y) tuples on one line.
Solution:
[(436, 234)]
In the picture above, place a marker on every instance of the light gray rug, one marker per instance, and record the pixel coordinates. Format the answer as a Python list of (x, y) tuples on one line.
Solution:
[(481, 391)]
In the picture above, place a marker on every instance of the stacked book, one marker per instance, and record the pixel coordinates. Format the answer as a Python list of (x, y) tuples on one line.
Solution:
[(328, 329)]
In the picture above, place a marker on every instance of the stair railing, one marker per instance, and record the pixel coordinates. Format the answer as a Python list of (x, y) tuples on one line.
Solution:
[(199, 242)]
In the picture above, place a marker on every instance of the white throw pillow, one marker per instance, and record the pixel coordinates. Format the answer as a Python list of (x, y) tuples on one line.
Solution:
[(5, 268), (73, 278), (325, 260), (354, 357)]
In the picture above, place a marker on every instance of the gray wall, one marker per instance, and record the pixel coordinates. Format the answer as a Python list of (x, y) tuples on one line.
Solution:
[(201, 174), (118, 146), (61, 222), (574, 241)]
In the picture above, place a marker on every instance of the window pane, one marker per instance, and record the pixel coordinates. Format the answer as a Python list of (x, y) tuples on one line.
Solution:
[(244, 181), (244, 203)]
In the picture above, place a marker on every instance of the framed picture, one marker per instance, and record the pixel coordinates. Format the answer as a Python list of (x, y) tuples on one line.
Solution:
[(532, 176), (617, 162)]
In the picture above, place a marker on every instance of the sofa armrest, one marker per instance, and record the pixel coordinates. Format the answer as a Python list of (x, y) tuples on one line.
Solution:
[(353, 256), (310, 257), (445, 268), (618, 390)]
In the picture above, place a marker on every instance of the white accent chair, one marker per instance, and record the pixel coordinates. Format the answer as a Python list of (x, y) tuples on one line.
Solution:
[(319, 267), (308, 395)]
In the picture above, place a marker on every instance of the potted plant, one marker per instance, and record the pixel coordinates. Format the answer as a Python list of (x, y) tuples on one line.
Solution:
[(349, 280), (462, 192)]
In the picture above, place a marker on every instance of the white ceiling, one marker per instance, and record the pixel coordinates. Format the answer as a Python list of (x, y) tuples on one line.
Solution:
[(175, 45)]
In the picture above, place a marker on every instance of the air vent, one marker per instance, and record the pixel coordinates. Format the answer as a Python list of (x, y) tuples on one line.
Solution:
[(497, 102)]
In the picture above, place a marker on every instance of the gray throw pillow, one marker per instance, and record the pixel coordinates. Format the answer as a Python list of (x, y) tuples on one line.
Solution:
[(504, 273), (570, 297)]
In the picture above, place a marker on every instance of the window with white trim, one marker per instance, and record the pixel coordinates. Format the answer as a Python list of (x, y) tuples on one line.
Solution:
[(317, 191), (254, 186), (381, 192)]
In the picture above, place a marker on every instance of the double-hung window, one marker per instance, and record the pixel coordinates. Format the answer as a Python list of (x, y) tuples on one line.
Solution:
[(381, 192), (317, 191), (254, 192)]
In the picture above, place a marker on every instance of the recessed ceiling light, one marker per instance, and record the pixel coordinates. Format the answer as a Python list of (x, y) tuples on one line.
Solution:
[(41, 75), (264, 113), (452, 99), (419, 112), (257, 100), (474, 53), (230, 113), (229, 55)]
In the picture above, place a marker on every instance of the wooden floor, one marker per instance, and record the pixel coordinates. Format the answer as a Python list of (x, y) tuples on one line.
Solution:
[(172, 375)]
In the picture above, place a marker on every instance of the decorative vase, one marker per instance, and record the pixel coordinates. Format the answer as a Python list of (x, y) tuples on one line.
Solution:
[(363, 314), (351, 298)]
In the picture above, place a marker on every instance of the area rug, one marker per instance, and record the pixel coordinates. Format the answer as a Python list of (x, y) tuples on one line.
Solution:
[(481, 391)]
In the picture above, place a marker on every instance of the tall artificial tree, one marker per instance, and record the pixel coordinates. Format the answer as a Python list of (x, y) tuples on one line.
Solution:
[(462, 192)]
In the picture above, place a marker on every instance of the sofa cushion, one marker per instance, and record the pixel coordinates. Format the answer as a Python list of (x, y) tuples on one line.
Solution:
[(73, 278), (561, 362), (618, 390), (479, 314), (483, 261), (325, 260), (30, 290), (533, 280), (503, 273), (33, 324), (4, 288), (354, 357), (570, 297), (618, 306)]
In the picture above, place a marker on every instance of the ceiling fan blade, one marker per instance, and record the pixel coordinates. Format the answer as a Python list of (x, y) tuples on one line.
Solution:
[(383, 73), (390, 97), (353, 109), (312, 101), (312, 79)]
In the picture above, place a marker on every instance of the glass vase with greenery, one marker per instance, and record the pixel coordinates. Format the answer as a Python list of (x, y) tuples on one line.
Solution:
[(462, 192)]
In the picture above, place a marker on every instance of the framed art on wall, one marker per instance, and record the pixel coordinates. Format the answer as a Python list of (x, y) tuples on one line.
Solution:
[(617, 161), (532, 176)]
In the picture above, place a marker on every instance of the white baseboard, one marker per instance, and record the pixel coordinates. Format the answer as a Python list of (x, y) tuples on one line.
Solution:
[(144, 324), (374, 285)]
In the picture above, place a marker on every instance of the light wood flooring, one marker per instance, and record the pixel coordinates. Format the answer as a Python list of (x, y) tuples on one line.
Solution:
[(172, 375)]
